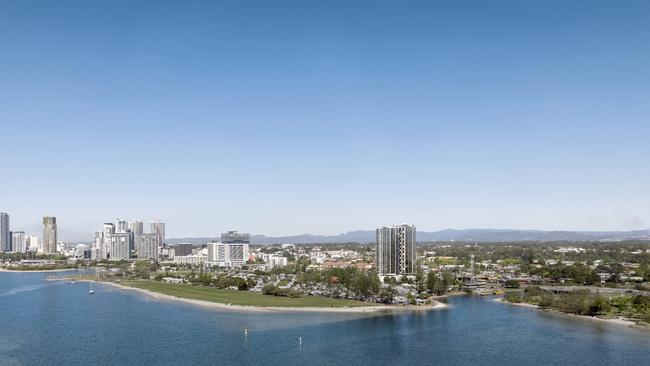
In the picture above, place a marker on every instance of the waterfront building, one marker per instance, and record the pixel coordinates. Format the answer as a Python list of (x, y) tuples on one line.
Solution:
[(121, 246), (49, 235), (146, 246), (136, 227), (18, 243), (396, 250), (158, 228), (5, 235), (228, 254), (235, 237)]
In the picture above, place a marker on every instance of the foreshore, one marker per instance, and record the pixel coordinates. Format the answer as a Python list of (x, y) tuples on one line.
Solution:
[(39, 270), (615, 321), (250, 308)]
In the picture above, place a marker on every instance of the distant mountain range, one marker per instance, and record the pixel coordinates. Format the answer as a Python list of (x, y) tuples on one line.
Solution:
[(467, 235)]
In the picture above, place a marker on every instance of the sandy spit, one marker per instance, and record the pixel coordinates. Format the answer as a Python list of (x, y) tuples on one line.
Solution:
[(249, 308)]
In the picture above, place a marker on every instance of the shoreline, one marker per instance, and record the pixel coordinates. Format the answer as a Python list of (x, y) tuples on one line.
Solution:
[(251, 308), (39, 270), (614, 321)]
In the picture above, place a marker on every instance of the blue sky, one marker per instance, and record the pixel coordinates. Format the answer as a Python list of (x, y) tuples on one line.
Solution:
[(292, 117)]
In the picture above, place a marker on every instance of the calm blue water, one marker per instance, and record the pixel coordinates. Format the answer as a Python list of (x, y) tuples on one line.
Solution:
[(45, 323)]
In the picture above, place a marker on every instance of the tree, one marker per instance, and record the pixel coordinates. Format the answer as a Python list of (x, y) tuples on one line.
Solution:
[(437, 285), (513, 297), (386, 294), (512, 284), (142, 270), (420, 281), (431, 281), (600, 306)]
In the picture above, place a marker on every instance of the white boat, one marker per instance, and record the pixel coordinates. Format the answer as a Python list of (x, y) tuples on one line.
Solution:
[(91, 292)]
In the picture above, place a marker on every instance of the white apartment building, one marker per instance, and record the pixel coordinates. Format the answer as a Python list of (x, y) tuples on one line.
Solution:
[(274, 260), (227, 254)]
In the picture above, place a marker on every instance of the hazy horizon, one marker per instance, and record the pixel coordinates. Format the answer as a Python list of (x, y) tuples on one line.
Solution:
[(292, 117)]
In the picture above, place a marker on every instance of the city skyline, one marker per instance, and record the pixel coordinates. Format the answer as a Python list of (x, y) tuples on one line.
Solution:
[(319, 118)]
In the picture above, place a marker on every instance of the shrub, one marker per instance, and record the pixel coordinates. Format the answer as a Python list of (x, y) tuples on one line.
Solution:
[(512, 284), (513, 297)]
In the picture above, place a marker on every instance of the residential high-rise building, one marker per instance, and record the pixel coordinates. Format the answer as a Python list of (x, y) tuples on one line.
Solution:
[(107, 237), (228, 254), (32, 243), (396, 250), (121, 246), (136, 227), (97, 248), (49, 234), (121, 226), (18, 244), (235, 237), (146, 246), (5, 235), (158, 228)]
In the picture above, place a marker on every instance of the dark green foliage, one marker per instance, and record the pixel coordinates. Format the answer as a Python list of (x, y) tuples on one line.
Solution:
[(514, 297), (512, 284)]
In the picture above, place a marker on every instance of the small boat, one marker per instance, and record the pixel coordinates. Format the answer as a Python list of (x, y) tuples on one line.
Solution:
[(91, 292)]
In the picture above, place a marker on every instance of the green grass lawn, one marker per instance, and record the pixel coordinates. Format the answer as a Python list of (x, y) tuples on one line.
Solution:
[(239, 297)]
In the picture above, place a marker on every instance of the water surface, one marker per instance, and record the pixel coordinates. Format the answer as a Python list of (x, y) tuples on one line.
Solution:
[(54, 323)]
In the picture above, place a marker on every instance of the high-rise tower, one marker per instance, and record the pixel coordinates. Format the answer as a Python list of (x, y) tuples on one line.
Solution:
[(49, 234), (158, 228), (396, 250), (5, 235)]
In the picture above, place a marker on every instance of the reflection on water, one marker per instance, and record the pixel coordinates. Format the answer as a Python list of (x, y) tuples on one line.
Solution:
[(54, 323)]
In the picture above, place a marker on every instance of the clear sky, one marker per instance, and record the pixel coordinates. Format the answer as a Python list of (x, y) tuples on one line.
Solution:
[(288, 117)]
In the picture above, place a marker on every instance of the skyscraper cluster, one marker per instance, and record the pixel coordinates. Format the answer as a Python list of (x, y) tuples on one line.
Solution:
[(396, 250), (126, 239), (19, 242)]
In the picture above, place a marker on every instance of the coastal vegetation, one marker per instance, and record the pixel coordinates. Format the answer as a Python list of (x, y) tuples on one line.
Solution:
[(585, 302)]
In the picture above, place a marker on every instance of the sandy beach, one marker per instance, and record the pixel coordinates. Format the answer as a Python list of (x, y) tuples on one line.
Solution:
[(215, 305), (39, 270)]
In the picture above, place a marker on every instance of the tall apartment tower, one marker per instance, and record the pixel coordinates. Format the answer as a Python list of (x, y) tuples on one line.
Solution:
[(121, 226), (136, 227), (18, 242), (158, 228), (146, 246), (121, 246), (5, 235), (396, 250), (107, 244), (49, 234)]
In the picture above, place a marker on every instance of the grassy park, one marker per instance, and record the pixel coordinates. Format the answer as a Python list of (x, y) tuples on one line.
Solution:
[(239, 297)]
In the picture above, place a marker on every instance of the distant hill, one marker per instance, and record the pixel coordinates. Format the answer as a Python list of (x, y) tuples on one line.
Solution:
[(466, 235)]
